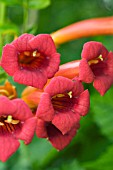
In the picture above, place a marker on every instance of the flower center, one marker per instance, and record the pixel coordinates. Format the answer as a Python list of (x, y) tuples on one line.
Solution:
[(8, 123), (62, 101), (30, 60), (95, 61)]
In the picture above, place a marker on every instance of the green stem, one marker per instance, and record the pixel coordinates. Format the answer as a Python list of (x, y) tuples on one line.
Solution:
[(2, 19), (2, 13), (25, 17)]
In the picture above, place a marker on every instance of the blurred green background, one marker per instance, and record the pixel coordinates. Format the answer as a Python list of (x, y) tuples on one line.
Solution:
[(92, 147)]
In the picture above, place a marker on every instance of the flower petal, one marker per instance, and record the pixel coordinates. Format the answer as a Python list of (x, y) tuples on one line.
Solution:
[(65, 121), (28, 130), (5, 103), (103, 83), (93, 49), (36, 79), (41, 130), (59, 85), (58, 140), (21, 43), (22, 110), (43, 43), (109, 69), (78, 87), (9, 60), (45, 109), (82, 103), (85, 72), (8, 146), (53, 67)]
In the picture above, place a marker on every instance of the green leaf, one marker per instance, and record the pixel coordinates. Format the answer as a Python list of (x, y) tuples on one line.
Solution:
[(9, 29), (40, 4), (105, 162), (103, 112), (3, 75), (12, 2)]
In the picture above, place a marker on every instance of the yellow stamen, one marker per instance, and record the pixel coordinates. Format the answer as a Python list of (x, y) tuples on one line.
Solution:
[(34, 53), (1, 124), (96, 60), (27, 53), (14, 122), (100, 57), (4, 91), (9, 119), (93, 62), (70, 94)]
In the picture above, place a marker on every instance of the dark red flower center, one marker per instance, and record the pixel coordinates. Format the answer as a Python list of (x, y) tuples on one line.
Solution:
[(8, 124), (62, 101), (30, 60)]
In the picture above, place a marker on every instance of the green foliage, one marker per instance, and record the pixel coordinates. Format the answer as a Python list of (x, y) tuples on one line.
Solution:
[(104, 162), (9, 29), (40, 4), (103, 115), (3, 75), (34, 4)]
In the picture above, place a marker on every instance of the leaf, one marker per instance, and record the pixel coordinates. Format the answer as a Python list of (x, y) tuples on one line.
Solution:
[(12, 2), (9, 29), (3, 75), (103, 112), (105, 162), (40, 4)]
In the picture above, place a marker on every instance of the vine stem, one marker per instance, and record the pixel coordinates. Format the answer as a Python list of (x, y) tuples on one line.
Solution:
[(2, 20), (25, 16)]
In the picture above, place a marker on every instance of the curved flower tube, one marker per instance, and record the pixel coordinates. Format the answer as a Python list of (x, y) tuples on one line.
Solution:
[(31, 97), (16, 123), (31, 60), (85, 28), (62, 104)]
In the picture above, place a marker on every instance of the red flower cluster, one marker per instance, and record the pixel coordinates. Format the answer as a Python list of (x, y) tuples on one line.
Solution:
[(62, 104), (57, 104)]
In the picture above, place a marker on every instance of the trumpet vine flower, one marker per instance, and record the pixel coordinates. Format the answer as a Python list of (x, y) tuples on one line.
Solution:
[(16, 123), (30, 59), (96, 66), (62, 104)]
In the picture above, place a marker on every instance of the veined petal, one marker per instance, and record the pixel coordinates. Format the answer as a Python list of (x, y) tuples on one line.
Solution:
[(43, 43), (21, 43), (45, 109), (22, 110), (8, 146), (93, 49), (41, 130), (5, 103), (53, 65), (32, 78), (58, 140), (65, 121), (9, 58), (82, 103), (85, 72), (59, 85), (103, 83), (78, 87), (28, 130)]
